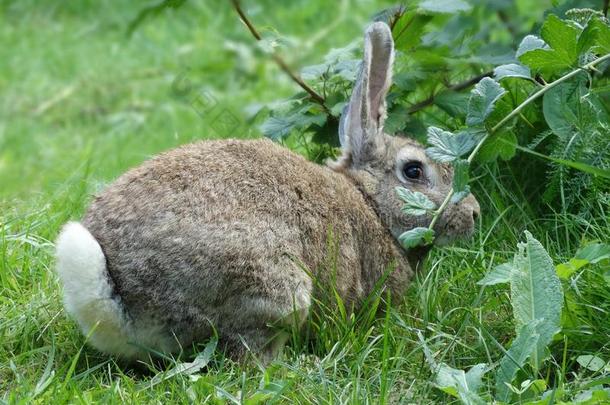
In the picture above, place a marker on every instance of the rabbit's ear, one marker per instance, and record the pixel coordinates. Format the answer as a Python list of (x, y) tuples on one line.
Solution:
[(362, 119)]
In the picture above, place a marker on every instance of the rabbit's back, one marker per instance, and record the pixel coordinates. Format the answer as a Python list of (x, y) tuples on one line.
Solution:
[(212, 229)]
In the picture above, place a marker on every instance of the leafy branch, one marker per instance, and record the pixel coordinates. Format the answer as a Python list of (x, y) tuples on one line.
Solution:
[(278, 59), (544, 89)]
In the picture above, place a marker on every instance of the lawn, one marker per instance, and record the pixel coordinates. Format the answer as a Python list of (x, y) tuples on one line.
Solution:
[(82, 101)]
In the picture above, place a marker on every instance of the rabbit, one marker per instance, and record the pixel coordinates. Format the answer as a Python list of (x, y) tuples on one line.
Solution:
[(231, 237)]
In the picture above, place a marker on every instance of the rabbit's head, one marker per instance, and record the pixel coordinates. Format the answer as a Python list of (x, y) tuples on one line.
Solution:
[(378, 163)]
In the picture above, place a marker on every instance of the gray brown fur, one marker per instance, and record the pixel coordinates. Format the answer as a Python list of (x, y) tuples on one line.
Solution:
[(219, 233)]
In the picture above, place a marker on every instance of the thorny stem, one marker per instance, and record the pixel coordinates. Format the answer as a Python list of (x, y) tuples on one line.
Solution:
[(512, 114), (456, 87), (280, 62)]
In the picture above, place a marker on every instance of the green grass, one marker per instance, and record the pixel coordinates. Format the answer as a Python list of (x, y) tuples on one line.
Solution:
[(81, 103)]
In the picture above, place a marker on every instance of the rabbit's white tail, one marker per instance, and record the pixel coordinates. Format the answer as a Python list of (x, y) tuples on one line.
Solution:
[(88, 291)]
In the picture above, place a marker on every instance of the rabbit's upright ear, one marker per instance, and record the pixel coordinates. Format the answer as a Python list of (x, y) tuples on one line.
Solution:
[(362, 119)]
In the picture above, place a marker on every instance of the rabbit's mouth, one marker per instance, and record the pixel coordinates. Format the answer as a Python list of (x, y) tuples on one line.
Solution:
[(452, 231)]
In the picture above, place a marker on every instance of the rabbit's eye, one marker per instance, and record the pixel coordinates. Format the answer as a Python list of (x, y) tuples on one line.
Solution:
[(413, 171)]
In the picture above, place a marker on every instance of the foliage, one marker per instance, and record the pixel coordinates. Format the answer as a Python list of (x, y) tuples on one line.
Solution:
[(82, 103), (567, 125)]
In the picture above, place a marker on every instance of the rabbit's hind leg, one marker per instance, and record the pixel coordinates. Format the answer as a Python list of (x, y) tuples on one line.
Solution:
[(266, 321)]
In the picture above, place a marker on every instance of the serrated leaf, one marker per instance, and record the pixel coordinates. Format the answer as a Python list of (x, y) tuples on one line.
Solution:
[(452, 102), (408, 30), (448, 146), (602, 37), (501, 145), (482, 100), (277, 127), (561, 36), (570, 108), (498, 275), (461, 176), (562, 39), (444, 6), (459, 196), (464, 385), (529, 43), (416, 203), (416, 237), (520, 350), (536, 294), (512, 70)]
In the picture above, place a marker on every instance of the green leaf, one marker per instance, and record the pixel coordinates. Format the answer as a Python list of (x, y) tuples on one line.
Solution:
[(446, 146), (408, 30), (536, 293), (565, 270), (498, 275), (594, 252), (460, 195), (416, 203), (461, 384), (460, 175), (444, 6), (452, 102), (593, 397), (186, 368), (530, 43), (591, 362), (512, 70), (277, 127), (482, 100), (570, 108), (501, 145), (602, 40), (416, 236), (522, 347), (562, 37)]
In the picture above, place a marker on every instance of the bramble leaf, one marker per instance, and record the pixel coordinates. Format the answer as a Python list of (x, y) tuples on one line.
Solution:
[(570, 108), (416, 236), (563, 41), (501, 145), (562, 37), (512, 70), (460, 175), (482, 100), (416, 203), (408, 30), (448, 146), (279, 126), (530, 43)]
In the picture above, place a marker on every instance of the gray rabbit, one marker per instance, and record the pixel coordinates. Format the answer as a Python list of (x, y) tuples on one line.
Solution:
[(235, 237)]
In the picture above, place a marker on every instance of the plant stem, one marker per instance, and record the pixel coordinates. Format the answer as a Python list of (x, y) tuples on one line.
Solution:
[(512, 114), (280, 62), (456, 87)]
